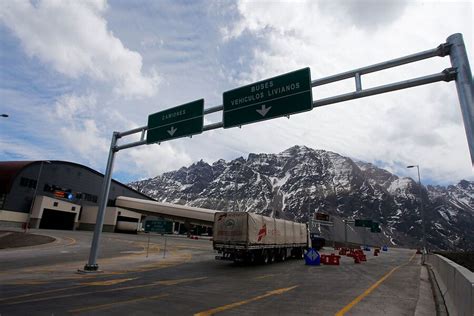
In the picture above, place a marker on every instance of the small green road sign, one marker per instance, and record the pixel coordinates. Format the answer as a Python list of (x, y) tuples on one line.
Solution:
[(159, 226), (363, 223), (275, 97), (180, 121), (375, 228)]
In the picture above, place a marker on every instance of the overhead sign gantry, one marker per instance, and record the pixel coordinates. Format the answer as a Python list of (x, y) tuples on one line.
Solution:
[(284, 95)]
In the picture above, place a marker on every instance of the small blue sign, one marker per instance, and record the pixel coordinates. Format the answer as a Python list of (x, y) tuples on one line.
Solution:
[(312, 257), (384, 248), (70, 197), (366, 248)]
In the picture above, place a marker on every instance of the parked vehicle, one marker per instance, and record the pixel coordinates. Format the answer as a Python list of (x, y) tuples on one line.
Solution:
[(249, 237)]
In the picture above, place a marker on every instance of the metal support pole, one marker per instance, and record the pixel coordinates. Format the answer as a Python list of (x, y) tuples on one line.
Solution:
[(358, 82), (148, 244), (309, 211), (446, 75), (164, 250), (464, 86), (92, 263), (234, 205), (345, 233), (34, 198), (423, 219)]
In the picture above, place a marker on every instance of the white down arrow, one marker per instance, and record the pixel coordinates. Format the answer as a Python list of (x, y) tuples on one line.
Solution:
[(172, 130), (264, 110)]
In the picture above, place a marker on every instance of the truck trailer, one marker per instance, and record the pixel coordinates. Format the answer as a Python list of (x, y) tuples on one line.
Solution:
[(252, 238)]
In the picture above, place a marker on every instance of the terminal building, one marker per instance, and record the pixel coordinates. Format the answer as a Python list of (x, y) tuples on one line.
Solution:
[(61, 195), (54, 194)]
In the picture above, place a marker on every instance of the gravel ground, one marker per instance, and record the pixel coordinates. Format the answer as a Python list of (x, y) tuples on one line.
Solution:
[(16, 239)]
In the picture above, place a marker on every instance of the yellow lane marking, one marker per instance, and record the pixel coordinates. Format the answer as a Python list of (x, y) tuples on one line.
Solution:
[(109, 305), (237, 304), (174, 282), (39, 293), (173, 259), (72, 242), (27, 282), (96, 292), (346, 308), (108, 282)]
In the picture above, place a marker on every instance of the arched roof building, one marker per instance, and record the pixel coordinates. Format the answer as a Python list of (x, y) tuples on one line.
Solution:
[(54, 192)]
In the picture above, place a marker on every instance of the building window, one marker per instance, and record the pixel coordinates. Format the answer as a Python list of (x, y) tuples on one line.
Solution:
[(32, 183), (55, 204), (24, 182)]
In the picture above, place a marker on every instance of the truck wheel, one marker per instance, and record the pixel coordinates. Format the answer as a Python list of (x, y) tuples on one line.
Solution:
[(283, 255), (265, 257), (251, 258), (272, 256)]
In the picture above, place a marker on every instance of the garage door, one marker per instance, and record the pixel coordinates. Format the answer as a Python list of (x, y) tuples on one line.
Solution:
[(53, 219)]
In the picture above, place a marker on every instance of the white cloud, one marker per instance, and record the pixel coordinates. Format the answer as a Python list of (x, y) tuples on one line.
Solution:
[(72, 36), (420, 125), (153, 160), (80, 134), (203, 49)]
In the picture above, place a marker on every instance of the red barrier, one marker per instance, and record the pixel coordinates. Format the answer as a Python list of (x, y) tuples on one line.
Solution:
[(331, 260), (356, 259), (334, 260), (323, 259)]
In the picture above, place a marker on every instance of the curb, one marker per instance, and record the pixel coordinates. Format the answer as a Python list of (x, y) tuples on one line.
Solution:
[(438, 296)]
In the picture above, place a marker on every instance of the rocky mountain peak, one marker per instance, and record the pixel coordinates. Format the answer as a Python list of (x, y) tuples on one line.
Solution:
[(301, 180)]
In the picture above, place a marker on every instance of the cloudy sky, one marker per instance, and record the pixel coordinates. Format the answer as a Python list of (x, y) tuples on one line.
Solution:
[(72, 72)]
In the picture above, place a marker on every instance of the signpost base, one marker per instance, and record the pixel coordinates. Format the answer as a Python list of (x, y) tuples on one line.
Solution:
[(88, 269)]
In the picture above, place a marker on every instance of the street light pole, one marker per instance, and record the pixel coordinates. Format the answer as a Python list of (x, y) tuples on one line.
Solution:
[(34, 195), (423, 220)]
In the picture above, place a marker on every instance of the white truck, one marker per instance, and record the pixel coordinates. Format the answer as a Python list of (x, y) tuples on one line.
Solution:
[(251, 238)]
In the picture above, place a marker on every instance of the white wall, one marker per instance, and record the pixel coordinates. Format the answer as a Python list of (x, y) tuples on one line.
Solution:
[(42, 202), (89, 215), (456, 283)]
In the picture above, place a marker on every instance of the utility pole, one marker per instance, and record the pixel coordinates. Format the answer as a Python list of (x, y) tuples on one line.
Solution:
[(422, 213)]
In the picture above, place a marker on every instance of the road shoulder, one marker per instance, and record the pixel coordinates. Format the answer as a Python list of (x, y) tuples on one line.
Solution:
[(426, 303)]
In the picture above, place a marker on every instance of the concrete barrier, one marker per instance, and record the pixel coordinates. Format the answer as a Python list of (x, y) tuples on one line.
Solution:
[(456, 283)]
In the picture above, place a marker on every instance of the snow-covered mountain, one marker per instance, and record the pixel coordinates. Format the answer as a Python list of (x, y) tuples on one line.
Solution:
[(301, 180)]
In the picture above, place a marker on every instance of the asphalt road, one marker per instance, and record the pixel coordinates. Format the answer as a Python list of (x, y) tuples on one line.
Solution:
[(42, 280)]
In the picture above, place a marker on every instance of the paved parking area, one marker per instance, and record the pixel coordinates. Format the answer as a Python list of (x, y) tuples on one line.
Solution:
[(188, 281)]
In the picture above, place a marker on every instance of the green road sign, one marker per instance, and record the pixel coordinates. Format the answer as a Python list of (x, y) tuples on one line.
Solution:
[(363, 223), (159, 226), (375, 228), (278, 96), (180, 121)]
